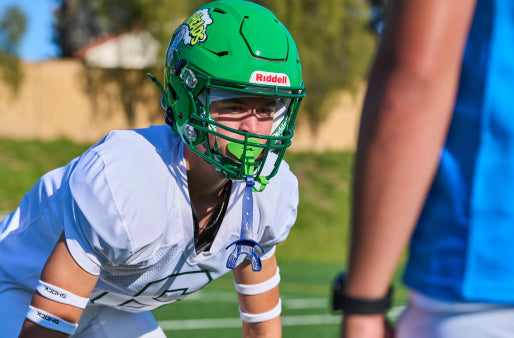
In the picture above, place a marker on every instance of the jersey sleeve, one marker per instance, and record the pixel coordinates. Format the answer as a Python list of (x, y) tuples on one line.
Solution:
[(94, 229), (116, 206)]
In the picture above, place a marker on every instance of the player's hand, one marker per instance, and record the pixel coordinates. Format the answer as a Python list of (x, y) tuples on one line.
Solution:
[(366, 326)]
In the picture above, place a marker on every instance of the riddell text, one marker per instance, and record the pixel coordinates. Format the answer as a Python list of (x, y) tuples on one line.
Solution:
[(271, 78)]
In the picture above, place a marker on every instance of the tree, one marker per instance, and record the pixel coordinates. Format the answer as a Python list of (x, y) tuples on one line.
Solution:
[(81, 22), (77, 24), (13, 25), (333, 36), (335, 45)]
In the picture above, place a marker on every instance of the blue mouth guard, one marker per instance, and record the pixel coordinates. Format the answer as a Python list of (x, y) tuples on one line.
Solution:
[(245, 244)]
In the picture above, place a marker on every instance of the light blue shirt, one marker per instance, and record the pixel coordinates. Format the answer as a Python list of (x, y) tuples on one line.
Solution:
[(463, 246)]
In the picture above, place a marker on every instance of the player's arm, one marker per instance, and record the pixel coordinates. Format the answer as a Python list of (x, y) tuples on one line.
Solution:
[(259, 299), (405, 118), (63, 281)]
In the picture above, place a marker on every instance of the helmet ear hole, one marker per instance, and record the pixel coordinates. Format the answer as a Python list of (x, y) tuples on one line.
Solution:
[(173, 92), (169, 118), (178, 66)]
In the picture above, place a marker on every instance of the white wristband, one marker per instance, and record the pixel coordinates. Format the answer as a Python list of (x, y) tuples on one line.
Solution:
[(50, 321), (256, 289), (261, 317), (60, 295)]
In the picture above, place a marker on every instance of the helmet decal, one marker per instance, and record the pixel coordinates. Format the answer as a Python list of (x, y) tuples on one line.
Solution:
[(191, 32), (268, 78), (281, 127), (196, 27)]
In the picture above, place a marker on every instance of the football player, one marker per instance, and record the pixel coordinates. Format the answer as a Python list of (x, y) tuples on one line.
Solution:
[(146, 217)]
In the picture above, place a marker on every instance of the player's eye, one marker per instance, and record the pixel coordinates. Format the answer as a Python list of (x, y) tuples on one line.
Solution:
[(238, 108), (265, 111), (232, 106)]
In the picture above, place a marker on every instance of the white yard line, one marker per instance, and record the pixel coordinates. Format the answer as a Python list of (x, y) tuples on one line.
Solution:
[(230, 297), (225, 323), (395, 312), (196, 324), (305, 303)]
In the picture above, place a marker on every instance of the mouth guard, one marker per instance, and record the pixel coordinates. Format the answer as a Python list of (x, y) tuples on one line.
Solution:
[(238, 150), (245, 244)]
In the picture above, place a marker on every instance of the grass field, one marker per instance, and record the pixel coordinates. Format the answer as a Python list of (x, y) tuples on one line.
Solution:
[(22, 162), (305, 292), (313, 253), (213, 312)]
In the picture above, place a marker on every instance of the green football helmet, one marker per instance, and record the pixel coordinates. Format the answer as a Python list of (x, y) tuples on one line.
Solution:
[(232, 48)]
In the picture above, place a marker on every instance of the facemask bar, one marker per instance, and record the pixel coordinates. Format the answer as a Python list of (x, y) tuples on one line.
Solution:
[(231, 167), (277, 142), (199, 124)]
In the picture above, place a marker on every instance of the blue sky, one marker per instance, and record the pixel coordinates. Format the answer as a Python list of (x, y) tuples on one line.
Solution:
[(37, 42)]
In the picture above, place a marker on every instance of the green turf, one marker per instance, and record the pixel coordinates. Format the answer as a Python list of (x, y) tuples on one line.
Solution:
[(22, 162), (305, 293), (300, 281), (321, 227)]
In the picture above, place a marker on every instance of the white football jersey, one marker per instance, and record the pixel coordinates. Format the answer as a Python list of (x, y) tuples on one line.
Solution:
[(125, 209)]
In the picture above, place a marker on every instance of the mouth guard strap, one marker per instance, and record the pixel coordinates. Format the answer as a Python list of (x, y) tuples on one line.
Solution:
[(245, 244)]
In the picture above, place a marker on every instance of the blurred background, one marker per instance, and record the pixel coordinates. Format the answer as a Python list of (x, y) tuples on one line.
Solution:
[(72, 70), (77, 68)]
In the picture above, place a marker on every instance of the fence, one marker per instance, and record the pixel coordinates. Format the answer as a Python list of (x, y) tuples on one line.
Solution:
[(64, 98)]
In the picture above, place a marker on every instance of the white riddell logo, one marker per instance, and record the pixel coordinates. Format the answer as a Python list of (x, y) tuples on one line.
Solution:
[(270, 78)]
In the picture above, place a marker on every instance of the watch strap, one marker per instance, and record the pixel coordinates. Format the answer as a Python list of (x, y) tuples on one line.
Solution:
[(354, 305)]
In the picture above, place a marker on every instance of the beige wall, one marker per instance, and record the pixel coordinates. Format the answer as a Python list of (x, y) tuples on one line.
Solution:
[(63, 98)]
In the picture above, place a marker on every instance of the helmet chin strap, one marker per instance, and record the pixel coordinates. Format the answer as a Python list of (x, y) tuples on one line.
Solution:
[(245, 244)]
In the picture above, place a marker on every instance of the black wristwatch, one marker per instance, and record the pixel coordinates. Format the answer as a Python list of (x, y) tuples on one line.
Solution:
[(351, 305)]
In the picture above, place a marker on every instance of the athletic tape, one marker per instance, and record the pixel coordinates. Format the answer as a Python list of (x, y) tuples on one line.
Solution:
[(60, 295), (50, 321), (261, 317), (256, 289)]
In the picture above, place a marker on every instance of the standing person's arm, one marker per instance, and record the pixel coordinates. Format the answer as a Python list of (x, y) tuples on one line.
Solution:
[(405, 118), (259, 299), (63, 272)]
